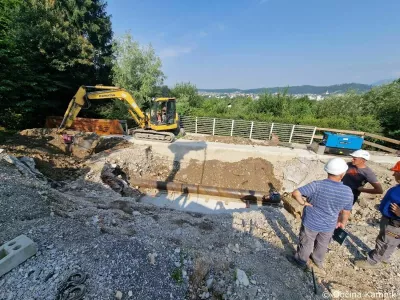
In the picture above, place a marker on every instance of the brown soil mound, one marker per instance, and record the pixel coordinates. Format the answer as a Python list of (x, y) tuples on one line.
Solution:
[(48, 149), (252, 174)]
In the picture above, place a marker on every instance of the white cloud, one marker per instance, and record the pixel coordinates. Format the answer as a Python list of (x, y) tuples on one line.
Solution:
[(221, 26), (203, 34), (175, 51)]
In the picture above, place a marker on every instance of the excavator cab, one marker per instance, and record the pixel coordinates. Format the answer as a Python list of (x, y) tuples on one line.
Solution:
[(163, 111)]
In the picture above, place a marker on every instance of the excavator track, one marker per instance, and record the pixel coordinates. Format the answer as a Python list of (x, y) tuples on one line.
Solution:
[(152, 135)]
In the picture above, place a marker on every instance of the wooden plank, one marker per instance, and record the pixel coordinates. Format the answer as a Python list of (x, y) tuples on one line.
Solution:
[(380, 147), (379, 137), (318, 137), (341, 131)]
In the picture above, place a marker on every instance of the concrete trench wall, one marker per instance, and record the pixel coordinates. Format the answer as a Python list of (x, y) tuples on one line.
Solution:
[(293, 167), (184, 151)]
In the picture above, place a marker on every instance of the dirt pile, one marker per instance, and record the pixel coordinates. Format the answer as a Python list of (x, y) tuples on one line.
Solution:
[(48, 150), (251, 173), (83, 143)]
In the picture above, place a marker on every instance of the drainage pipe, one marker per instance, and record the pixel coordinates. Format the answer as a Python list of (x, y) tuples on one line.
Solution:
[(247, 196)]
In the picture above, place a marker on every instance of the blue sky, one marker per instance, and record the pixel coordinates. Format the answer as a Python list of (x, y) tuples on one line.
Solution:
[(266, 43)]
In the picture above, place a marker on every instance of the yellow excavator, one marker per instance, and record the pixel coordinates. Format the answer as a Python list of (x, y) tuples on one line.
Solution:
[(159, 124)]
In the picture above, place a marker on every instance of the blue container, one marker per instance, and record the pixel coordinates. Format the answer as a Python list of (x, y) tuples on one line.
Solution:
[(342, 141)]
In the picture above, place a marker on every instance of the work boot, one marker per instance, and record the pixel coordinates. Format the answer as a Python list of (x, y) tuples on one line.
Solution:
[(319, 270), (298, 264), (365, 264)]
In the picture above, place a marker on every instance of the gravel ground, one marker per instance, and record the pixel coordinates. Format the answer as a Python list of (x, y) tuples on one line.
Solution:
[(113, 262), (195, 256), (153, 253)]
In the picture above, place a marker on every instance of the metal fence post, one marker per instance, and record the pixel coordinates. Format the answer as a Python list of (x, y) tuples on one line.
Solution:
[(291, 133), (195, 128), (270, 132), (251, 129), (213, 126), (233, 123), (313, 134)]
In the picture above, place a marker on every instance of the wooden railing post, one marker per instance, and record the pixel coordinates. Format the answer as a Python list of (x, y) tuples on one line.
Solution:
[(270, 132), (291, 134), (213, 127), (313, 134)]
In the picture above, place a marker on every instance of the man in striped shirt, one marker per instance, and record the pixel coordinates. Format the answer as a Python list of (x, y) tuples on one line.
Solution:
[(327, 205)]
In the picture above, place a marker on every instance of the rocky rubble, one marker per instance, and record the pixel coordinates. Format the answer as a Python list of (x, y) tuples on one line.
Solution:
[(112, 261), (134, 250), (128, 246)]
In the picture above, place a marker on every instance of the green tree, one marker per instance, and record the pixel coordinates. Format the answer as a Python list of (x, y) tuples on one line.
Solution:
[(51, 48), (136, 68), (384, 103), (187, 97), (162, 91)]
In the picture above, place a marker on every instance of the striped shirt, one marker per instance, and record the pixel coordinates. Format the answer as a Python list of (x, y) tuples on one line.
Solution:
[(328, 198)]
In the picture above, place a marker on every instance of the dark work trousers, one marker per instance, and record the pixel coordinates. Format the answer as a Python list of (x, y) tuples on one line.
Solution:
[(387, 241), (312, 243), (356, 194)]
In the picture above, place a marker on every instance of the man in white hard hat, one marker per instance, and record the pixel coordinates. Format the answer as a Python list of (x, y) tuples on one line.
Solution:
[(359, 174), (327, 205)]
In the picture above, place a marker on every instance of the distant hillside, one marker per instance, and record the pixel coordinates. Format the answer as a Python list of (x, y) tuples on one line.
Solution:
[(383, 82), (221, 91), (303, 89)]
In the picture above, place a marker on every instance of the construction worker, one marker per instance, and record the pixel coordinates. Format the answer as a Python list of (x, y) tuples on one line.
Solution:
[(159, 117), (327, 206), (358, 174), (389, 235), (164, 114)]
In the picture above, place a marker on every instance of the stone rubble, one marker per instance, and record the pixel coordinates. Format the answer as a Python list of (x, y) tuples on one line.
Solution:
[(135, 250)]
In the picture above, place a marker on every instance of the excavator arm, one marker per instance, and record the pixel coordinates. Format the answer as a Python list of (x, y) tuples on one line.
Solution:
[(103, 92)]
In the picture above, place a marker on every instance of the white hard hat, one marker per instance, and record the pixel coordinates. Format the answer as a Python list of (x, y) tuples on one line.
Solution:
[(336, 166), (361, 153)]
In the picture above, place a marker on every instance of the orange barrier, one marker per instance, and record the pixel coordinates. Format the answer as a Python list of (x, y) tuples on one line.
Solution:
[(99, 126)]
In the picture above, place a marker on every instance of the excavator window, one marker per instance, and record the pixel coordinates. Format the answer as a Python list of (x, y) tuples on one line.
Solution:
[(163, 112), (171, 112)]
